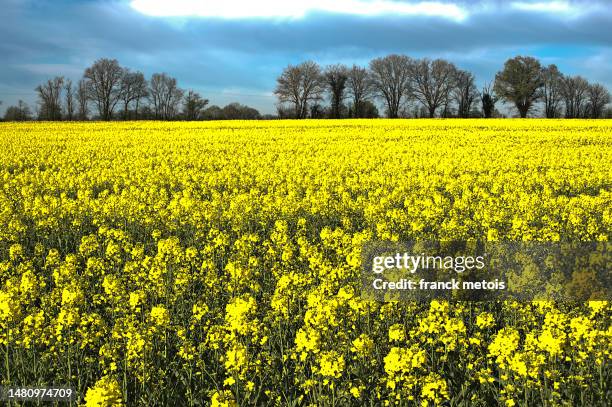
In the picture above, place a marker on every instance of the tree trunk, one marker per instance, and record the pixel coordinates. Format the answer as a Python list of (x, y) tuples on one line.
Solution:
[(393, 110)]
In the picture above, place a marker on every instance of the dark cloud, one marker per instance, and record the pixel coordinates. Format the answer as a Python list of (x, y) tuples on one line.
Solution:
[(239, 59)]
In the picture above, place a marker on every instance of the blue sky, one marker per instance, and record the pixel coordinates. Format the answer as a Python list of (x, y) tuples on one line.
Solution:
[(233, 50)]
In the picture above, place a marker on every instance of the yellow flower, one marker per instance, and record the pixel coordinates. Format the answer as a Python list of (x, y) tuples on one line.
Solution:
[(396, 332), (331, 364), (15, 252), (134, 299), (236, 358), (223, 399), (160, 316), (105, 393), (363, 345), (403, 360), (6, 306), (434, 390), (485, 320), (238, 311)]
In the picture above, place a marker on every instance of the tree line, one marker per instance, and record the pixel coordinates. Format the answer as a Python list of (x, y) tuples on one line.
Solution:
[(406, 87), (108, 91), (410, 87)]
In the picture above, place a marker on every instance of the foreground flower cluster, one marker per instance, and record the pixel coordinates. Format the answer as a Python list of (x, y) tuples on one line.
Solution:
[(219, 263)]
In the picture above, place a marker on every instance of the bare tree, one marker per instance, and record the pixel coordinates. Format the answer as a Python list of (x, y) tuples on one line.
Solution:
[(19, 113), (575, 91), (133, 88), (82, 100), (236, 111), (165, 95), (432, 82), (193, 106), (141, 91), (360, 88), (464, 92), (599, 97), (336, 77), (103, 81), (391, 80), (368, 110), (283, 111), (69, 95), (488, 100), (300, 85), (318, 111), (551, 90), (49, 99), (520, 83)]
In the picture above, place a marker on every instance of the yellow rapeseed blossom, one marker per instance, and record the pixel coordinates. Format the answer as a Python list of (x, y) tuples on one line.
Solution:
[(105, 393), (160, 316)]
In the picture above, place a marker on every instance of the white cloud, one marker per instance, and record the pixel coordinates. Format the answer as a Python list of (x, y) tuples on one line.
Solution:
[(544, 6), (238, 9), (53, 69)]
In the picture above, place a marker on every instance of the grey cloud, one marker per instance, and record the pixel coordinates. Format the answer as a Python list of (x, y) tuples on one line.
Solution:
[(214, 54)]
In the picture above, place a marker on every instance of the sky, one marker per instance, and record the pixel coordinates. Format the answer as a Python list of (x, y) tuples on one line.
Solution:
[(233, 50)]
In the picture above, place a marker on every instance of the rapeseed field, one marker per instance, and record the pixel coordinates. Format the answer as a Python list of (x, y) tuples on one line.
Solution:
[(218, 263)]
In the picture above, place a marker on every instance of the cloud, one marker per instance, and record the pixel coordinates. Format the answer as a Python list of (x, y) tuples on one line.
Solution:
[(238, 59), (545, 6), (51, 69), (242, 9)]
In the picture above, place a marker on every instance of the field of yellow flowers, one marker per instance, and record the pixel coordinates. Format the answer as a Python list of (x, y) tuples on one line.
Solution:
[(218, 263)]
